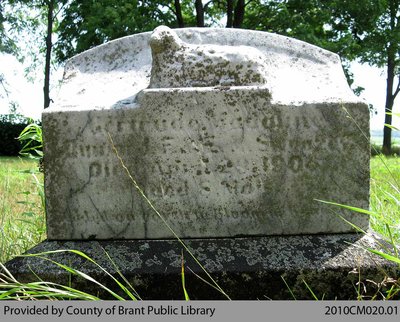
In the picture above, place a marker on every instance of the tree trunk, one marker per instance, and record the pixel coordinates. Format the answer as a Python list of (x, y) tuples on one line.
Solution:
[(179, 17), (199, 13), (387, 131), (46, 87), (239, 14), (229, 13), (390, 95)]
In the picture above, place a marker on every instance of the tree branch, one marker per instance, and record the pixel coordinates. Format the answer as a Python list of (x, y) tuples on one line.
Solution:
[(397, 89), (59, 10), (170, 8), (2, 82), (245, 5), (206, 5)]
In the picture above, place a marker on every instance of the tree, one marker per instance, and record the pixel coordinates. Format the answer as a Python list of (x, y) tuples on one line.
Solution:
[(8, 43), (27, 19), (371, 30), (178, 14), (49, 44), (389, 30), (199, 13)]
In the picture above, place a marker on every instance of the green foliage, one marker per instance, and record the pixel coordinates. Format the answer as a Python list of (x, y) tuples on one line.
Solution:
[(31, 137), (10, 127), (17, 19), (7, 43), (301, 19), (351, 22), (353, 29)]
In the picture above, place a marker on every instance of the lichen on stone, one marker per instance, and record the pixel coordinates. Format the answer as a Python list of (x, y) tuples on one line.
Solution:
[(179, 64)]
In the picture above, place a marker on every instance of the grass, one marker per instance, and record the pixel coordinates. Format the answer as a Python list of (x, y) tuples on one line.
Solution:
[(376, 149), (22, 219), (385, 196)]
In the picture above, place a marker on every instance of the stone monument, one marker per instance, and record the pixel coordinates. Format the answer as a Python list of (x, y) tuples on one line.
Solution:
[(233, 136), (231, 139)]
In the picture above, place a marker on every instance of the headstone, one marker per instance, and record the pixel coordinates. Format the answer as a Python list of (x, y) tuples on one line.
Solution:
[(227, 132)]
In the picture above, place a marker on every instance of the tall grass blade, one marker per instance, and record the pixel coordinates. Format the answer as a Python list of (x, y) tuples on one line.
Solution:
[(392, 240), (359, 210), (311, 291), (391, 127), (37, 290), (288, 287), (73, 271), (202, 279), (10, 288), (183, 279), (160, 216), (132, 296), (367, 212), (83, 275), (384, 255)]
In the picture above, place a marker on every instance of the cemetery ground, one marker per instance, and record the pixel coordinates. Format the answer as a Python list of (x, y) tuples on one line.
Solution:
[(22, 218)]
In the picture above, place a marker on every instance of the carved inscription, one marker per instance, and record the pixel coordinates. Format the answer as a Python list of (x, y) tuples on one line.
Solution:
[(101, 169), (231, 154), (226, 151)]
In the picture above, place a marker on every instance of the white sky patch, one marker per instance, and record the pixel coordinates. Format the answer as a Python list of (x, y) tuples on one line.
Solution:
[(28, 96), (373, 79)]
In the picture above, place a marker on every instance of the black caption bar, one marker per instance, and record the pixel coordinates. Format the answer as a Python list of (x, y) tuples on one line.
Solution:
[(217, 311)]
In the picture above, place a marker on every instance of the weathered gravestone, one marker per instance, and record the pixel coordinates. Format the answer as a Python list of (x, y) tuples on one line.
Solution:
[(234, 139), (229, 133)]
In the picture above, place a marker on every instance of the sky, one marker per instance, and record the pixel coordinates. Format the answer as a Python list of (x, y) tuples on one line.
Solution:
[(29, 96)]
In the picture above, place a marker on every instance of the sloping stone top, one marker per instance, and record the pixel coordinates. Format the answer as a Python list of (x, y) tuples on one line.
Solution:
[(294, 72)]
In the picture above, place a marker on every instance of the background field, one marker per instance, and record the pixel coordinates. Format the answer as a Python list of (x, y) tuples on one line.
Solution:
[(22, 220)]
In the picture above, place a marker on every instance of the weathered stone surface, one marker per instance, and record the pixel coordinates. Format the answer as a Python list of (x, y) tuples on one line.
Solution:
[(179, 64), (215, 161), (245, 268)]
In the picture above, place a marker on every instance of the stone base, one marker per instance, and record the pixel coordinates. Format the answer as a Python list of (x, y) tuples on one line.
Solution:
[(245, 268)]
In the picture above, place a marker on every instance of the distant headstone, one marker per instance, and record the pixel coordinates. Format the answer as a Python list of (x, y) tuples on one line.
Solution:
[(228, 133)]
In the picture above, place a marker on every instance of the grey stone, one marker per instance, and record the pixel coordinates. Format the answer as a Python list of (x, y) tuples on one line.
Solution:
[(246, 159), (250, 268)]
